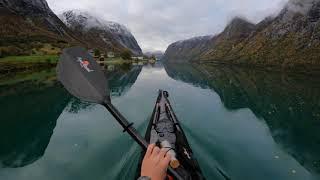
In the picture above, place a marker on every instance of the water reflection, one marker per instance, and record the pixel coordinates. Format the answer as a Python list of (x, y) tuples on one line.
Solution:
[(75, 105), (88, 144), (289, 104), (31, 104), (122, 77), (29, 111)]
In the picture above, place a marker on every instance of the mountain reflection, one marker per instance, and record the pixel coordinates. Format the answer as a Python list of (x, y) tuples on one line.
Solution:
[(29, 111), (290, 104), (31, 104), (121, 78)]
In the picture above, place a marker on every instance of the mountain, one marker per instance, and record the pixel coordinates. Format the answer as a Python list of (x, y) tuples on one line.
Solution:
[(105, 35), (237, 31), (289, 40), (157, 54), (195, 48), (30, 26), (186, 50)]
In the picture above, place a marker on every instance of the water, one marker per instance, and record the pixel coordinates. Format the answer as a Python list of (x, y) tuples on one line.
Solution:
[(251, 124)]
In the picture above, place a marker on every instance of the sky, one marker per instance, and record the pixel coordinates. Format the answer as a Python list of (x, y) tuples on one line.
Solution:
[(158, 23)]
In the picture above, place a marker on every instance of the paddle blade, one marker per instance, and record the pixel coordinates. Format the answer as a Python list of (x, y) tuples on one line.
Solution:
[(82, 76)]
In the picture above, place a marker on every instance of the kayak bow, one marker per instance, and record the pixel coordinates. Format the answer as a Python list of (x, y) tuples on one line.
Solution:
[(165, 131)]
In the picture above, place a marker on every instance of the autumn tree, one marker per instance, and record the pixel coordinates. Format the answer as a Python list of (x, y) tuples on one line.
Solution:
[(126, 54)]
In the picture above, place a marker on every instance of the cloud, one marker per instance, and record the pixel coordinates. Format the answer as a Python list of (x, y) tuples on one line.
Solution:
[(157, 23)]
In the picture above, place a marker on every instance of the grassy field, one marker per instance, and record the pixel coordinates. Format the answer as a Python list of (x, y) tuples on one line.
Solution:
[(13, 64), (30, 59), (55, 58)]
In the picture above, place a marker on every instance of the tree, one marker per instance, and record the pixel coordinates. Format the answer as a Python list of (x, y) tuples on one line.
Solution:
[(126, 54), (96, 52)]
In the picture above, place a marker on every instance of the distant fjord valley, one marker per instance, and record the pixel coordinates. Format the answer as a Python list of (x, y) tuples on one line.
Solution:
[(289, 40), (31, 32)]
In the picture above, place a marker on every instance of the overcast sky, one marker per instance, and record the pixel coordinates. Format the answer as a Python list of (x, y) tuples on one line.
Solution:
[(158, 23)]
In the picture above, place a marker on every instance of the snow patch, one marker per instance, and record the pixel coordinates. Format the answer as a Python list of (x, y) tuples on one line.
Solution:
[(89, 21)]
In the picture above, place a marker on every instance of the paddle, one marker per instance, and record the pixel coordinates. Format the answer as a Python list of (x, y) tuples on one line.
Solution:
[(81, 75)]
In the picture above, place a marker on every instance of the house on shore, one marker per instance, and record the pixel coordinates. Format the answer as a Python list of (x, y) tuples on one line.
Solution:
[(110, 54), (137, 58), (102, 57)]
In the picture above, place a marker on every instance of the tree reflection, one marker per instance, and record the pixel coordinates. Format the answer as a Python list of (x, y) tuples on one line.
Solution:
[(29, 113), (289, 103)]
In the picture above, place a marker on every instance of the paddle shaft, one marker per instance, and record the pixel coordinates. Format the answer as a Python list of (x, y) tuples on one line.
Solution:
[(133, 132), (89, 83)]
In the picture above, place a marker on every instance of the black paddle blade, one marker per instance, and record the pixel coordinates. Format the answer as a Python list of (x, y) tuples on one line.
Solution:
[(82, 76)]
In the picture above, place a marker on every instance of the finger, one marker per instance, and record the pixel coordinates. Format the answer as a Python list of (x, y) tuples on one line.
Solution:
[(160, 155), (155, 151), (150, 149), (164, 163), (163, 153)]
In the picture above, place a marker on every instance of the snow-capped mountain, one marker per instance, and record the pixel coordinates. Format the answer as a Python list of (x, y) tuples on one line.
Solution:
[(109, 33), (27, 25)]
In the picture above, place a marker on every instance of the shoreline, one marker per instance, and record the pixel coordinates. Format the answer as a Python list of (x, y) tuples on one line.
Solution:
[(14, 64), (15, 67), (303, 69)]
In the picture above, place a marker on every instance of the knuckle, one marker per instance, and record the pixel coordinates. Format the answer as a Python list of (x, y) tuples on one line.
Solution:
[(163, 150)]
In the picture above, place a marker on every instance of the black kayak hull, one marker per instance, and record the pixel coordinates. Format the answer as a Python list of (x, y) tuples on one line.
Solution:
[(165, 127)]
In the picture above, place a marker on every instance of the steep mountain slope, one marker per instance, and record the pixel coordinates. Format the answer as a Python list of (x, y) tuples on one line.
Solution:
[(237, 30), (26, 25), (292, 39), (106, 35), (289, 40), (183, 51), (195, 48)]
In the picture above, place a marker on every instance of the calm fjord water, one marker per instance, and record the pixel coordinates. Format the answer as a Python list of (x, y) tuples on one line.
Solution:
[(251, 124)]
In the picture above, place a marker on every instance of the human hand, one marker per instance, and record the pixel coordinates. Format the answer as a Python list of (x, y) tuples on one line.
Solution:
[(155, 163)]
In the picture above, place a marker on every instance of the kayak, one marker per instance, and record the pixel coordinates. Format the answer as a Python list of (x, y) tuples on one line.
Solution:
[(165, 131)]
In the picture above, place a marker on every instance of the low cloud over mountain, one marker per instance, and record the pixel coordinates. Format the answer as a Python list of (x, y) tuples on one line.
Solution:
[(158, 23)]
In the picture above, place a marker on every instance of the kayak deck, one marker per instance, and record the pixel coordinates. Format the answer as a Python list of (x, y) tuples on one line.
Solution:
[(164, 129)]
